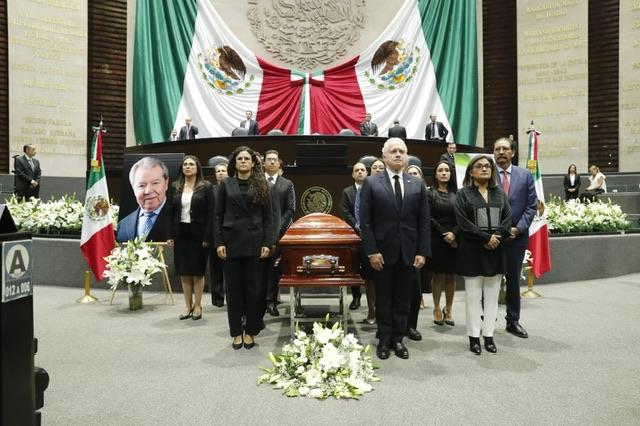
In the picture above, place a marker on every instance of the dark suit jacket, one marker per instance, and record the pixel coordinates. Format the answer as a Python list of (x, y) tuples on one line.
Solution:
[(182, 135), (128, 226), (399, 235), (441, 131), (348, 204), (242, 225), (368, 129), (523, 202), (284, 205), (397, 131), (202, 212), (576, 183), (24, 174), (254, 127)]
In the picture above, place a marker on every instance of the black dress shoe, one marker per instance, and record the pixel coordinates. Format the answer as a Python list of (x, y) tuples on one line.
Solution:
[(490, 345), (236, 346), (273, 310), (401, 350), (219, 303), (185, 316), (355, 303), (474, 345), (249, 345), (382, 351), (197, 317), (414, 334), (517, 330), (435, 321)]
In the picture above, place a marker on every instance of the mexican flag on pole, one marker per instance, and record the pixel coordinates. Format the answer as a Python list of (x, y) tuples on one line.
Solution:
[(97, 238), (188, 63), (539, 229)]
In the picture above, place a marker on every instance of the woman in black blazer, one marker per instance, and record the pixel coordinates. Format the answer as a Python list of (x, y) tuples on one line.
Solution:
[(191, 233), (244, 232), (571, 183)]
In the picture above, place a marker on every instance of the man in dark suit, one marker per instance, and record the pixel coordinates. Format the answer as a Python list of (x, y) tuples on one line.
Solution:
[(284, 207), (397, 131), (395, 224), (174, 135), (450, 157), (519, 186), (151, 221), (27, 173), (250, 124), (435, 130), (187, 131), (367, 127), (216, 270), (348, 203)]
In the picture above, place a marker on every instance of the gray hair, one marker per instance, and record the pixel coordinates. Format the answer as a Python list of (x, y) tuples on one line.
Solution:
[(389, 141), (148, 163)]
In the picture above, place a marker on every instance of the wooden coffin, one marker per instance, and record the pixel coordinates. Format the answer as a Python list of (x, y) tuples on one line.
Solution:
[(320, 250)]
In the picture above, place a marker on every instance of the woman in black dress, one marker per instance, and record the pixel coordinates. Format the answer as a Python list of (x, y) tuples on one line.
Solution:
[(192, 232), (443, 241), (484, 222), (571, 183), (244, 231)]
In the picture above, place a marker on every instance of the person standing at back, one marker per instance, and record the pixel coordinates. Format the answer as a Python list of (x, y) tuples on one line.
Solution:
[(519, 187), (27, 173)]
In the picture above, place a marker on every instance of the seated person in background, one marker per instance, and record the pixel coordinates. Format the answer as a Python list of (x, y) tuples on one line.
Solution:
[(250, 124), (187, 131), (367, 127), (597, 184), (571, 183)]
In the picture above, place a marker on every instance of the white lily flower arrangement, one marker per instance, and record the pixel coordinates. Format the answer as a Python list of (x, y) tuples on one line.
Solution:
[(577, 216), (132, 263), (324, 364), (61, 216)]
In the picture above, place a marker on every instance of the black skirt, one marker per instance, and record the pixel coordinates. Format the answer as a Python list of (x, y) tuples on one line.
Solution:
[(189, 257)]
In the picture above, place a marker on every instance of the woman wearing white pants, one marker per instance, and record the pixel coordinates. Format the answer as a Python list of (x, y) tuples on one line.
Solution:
[(484, 220)]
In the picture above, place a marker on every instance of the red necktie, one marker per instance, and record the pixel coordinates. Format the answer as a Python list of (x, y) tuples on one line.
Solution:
[(505, 181)]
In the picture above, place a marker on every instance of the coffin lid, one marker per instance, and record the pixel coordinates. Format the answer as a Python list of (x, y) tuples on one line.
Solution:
[(320, 228)]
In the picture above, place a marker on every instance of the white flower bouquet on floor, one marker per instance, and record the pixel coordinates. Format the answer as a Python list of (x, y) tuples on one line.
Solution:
[(323, 364), (577, 216), (133, 263)]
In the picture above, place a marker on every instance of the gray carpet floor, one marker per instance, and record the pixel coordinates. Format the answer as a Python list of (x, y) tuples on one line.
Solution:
[(110, 366)]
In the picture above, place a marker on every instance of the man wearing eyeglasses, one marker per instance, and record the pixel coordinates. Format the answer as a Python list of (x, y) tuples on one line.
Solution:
[(518, 184)]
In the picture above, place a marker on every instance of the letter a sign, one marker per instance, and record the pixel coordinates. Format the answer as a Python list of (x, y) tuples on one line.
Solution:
[(16, 270)]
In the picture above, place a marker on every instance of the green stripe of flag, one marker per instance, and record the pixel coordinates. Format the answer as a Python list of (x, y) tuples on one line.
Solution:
[(450, 32), (163, 38)]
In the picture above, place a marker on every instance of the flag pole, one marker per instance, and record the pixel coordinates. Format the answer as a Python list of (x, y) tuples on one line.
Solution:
[(88, 297)]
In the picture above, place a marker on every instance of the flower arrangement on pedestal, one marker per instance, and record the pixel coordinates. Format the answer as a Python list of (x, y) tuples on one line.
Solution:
[(62, 216), (323, 364), (133, 264)]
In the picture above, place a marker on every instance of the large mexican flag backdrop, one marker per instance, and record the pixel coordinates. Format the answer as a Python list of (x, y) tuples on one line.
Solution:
[(188, 63)]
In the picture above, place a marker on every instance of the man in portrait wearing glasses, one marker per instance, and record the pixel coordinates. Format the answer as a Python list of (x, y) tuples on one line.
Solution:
[(518, 184)]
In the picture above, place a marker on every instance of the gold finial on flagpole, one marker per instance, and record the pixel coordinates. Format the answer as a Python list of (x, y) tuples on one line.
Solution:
[(87, 298)]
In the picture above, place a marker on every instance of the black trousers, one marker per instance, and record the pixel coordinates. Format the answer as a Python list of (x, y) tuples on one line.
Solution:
[(514, 257), (416, 297), (244, 294), (272, 276), (394, 285), (217, 278)]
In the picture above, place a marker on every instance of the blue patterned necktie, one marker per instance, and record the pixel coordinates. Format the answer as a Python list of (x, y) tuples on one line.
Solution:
[(148, 224)]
